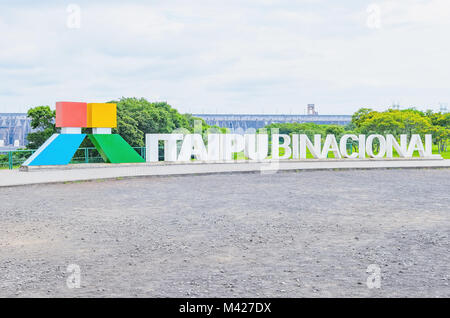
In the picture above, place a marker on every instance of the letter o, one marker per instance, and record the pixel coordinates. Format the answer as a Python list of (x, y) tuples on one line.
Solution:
[(369, 148)]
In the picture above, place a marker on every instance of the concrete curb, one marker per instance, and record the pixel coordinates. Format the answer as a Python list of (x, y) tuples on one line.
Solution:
[(87, 172), (165, 163)]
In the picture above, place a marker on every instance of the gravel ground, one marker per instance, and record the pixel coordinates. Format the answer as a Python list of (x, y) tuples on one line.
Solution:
[(244, 235)]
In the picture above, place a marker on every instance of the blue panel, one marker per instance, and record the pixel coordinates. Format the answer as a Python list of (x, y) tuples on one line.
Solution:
[(60, 151)]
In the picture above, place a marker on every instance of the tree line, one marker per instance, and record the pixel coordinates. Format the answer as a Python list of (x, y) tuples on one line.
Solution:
[(392, 121), (137, 117)]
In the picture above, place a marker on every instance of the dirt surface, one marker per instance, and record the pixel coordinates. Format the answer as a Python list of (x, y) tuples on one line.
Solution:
[(247, 235)]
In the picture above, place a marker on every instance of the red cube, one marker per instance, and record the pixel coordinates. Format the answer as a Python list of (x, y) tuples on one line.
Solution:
[(71, 114)]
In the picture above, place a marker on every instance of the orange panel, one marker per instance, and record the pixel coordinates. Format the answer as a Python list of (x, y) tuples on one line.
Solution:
[(71, 114)]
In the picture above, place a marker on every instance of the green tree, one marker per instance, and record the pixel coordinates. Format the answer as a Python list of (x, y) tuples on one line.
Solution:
[(441, 135), (394, 122), (407, 121), (137, 117), (309, 129), (440, 129), (42, 119), (359, 116), (336, 130)]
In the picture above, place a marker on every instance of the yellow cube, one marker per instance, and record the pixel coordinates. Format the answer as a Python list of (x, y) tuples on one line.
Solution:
[(101, 115)]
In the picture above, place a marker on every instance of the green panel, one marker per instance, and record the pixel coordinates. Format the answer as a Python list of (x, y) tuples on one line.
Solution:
[(114, 149)]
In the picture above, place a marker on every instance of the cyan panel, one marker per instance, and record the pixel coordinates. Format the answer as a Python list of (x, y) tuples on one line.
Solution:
[(59, 152)]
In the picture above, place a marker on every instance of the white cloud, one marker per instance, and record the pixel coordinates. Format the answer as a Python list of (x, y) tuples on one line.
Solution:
[(236, 56), (416, 13)]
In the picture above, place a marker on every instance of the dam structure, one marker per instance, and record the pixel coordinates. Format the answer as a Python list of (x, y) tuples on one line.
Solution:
[(256, 121), (14, 128)]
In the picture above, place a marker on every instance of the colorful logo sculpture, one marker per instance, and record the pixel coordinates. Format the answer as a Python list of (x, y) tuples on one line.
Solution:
[(71, 117)]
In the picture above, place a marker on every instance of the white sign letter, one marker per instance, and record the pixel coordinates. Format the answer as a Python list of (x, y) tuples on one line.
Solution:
[(285, 145), (391, 143), (315, 149), (256, 146), (369, 146), (343, 146), (331, 145)]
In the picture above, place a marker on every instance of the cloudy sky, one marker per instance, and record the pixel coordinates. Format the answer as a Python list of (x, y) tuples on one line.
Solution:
[(231, 56)]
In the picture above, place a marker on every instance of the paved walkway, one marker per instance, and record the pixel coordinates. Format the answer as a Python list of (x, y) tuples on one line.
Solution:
[(83, 172), (306, 234)]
